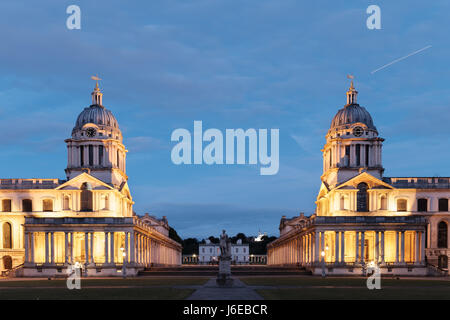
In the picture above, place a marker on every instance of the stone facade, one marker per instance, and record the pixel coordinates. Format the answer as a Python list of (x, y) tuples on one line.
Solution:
[(362, 217), (47, 224)]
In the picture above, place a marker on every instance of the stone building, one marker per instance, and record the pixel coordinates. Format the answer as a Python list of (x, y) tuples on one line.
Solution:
[(363, 218), (47, 224), (209, 252)]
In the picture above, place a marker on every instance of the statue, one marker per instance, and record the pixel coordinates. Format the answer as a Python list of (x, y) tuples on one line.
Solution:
[(225, 245), (224, 276)]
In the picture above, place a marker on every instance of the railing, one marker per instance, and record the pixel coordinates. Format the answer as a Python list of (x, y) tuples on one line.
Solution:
[(437, 269), (29, 183), (10, 273)]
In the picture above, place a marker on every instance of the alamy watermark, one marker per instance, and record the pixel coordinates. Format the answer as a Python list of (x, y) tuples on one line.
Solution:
[(74, 276), (237, 150), (374, 280)]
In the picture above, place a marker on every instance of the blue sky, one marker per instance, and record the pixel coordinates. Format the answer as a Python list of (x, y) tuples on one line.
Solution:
[(232, 64)]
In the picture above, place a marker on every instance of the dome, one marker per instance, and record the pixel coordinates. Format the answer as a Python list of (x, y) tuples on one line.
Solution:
[(98, 115), (352, 113)]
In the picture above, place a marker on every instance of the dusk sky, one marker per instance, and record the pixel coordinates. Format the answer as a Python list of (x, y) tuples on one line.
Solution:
[(231, 64)]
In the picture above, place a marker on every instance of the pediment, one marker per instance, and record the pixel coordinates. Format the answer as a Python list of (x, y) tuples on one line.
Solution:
[(364, 177), (76, 183)]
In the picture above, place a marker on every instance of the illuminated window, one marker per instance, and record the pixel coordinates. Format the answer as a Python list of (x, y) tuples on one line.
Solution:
[(401, 204), (7, 236), (66, 204), (383, 203), (47, 205), (6, 205)]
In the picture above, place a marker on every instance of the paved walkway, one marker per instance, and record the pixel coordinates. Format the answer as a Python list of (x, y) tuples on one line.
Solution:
[(211, 291)]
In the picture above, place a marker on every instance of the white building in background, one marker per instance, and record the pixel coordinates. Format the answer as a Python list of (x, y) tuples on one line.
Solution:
[(209, 253), (362, 218), (47, 224)]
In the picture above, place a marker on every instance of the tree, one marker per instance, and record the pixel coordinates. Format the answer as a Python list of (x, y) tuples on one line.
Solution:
[(174, 235)]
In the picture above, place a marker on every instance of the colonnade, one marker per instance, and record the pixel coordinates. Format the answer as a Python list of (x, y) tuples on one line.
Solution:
[(105, 248), (349, 247)]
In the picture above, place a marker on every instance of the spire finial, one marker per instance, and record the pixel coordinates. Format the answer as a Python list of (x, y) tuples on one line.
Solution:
[(96, 94), (351, 93)]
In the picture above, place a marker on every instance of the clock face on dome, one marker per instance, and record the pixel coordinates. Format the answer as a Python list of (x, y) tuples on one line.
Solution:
[(358, 131), (90, 132)]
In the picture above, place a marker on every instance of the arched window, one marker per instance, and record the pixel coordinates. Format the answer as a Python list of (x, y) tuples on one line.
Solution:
[(7, 236), (443, 204), (118, 159), (383, 203), (422, 205), (27, 205), (401, 204), (86, 197), (66, 203), (6, 205), (442, 234), (47, 205), (362, 198)]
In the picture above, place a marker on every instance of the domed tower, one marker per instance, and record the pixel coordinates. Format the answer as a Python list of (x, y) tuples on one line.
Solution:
[(352, 145), (96, 144)]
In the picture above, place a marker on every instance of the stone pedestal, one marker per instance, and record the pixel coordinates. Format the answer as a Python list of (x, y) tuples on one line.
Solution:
[(224, 276)]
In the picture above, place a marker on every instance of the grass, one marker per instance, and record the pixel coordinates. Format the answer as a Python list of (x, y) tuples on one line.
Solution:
[(132, 282), (161, 288), (298, 288), (145, 293), (354, 294)]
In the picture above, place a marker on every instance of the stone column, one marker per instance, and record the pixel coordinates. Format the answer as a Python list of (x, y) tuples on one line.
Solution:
[(417, 257), (357, 246), (32, 247), (86, 246), (362, 246), (66, 247), (403, 246), (396, 247), (336, 247), (27, 239), (343, 247), (92, 247), (322, 243), (125, 259), (377, 247), (316, 247), (46, 247), (71, 248), (106, 247), (422, 256), (132, 248), (382, 246), (112, 251)]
